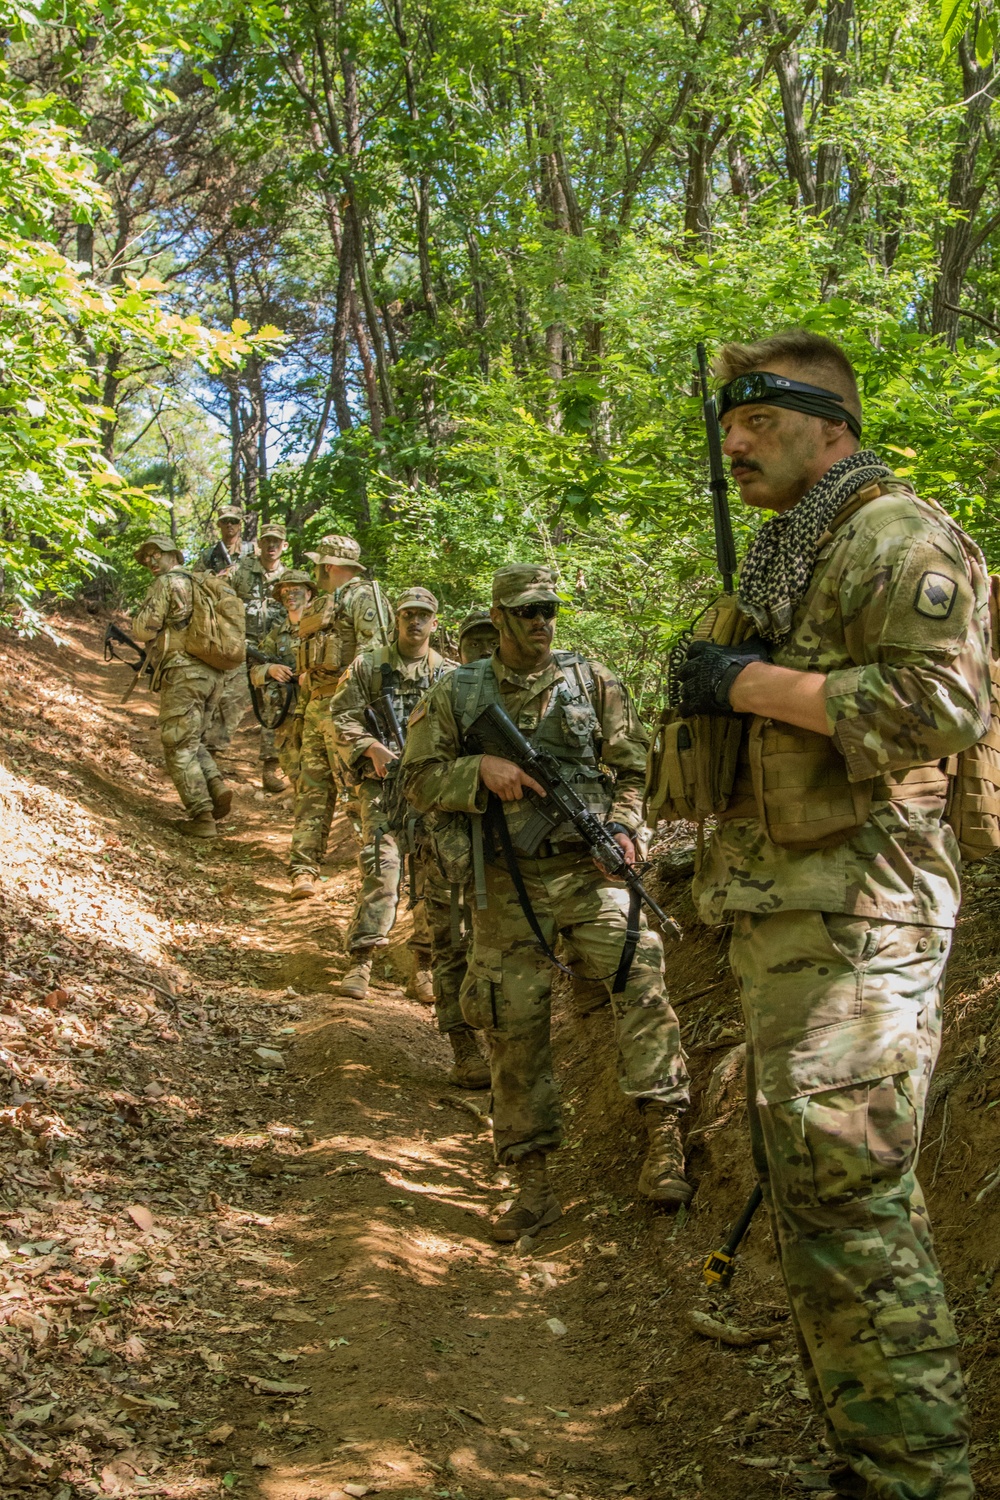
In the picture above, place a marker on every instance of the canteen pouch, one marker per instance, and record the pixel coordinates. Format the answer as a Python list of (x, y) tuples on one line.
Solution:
[(804, 798)]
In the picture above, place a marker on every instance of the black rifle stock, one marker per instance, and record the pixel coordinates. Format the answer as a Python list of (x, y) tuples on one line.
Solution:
[(382, 721), (725, 546), (114, 637), (495, 731)]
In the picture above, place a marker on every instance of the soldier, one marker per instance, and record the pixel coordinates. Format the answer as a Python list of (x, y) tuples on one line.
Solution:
[(870, 669), (477, 636), (577, 710), (402, 672), (254, 578), (230, 547), (347, 614), (189, 690), (293, 591)]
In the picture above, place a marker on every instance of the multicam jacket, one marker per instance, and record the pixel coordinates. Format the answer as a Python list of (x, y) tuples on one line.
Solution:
[(161, 618), (254, 584), (897, 617), (337, 627), (406, 683), (439, 774)]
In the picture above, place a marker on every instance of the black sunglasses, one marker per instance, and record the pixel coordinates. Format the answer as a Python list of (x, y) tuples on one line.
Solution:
[(547, 610)]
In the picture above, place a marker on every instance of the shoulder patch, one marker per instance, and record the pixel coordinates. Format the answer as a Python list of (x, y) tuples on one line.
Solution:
[(369, 614), (935, 596), (418, 713)]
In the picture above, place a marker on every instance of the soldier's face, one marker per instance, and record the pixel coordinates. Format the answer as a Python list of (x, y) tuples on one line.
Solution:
[(415, 628), (271, 549), (295, 600), (478, 643), (776, 456), (158, 562), (523, 638), (230, 531)]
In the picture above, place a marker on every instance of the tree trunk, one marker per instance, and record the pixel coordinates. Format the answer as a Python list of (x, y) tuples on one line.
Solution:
[(798, 163), (830, 156), (959, 242)]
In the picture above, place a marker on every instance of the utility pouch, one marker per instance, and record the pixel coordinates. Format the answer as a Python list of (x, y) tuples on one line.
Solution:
[(973, 807), (691, 765), (804, 798)]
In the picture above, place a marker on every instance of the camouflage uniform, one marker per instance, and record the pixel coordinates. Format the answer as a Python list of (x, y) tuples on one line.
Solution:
[(840, 954), (379, 858), (338, 626), (189, 690), (255, 585), (281, 643), (573, 900)]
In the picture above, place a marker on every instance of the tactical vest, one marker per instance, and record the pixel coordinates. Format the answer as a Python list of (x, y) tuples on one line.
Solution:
[(262, 609), (795, 781), (405, 692), (569, 729), (318, 649)]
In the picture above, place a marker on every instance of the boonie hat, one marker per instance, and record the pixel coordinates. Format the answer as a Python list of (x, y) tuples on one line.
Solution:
[(230, 513), (290, 577), (524, 583), (476, 619), (339, 551), (417, 598), (161, 542), (273, 528)]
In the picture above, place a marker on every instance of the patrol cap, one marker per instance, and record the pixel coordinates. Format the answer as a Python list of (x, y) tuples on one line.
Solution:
[(476, 619), (230, 513), (161, 542), (417, 598), (340, 551), (524, 583), (293, 577), (273, 528)]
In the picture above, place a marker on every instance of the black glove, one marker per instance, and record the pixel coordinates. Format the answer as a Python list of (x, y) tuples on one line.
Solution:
[(709, 672)]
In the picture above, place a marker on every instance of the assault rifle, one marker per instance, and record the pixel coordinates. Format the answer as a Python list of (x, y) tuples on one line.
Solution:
[(495, 733), (114, 637), (272, 700), (725, 546), (218, 559), (382, 721)]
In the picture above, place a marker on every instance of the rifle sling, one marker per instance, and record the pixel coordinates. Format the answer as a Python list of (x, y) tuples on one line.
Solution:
[(632, 934)]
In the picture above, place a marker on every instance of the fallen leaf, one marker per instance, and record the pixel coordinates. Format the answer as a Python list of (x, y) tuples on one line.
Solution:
[(261, 1461), (36, 1415), (140, 1216), (56, 999), (212, 1361), (292, 1315), (36, 1326), (279, 1387), (221, 1433), (133, 1349), (154, 1091)]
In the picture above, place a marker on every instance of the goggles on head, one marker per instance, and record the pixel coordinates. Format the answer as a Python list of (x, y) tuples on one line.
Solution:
[(778, 390)]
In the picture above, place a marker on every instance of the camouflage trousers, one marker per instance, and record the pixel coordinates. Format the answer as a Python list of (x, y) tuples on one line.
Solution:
[(447, 929), (287, 740), (511, 991), (843, 1022), (380, 863), (316, 789), (230, 712), (188, 696)]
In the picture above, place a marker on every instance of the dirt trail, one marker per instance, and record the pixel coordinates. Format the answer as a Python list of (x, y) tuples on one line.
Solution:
[(314, 1308)]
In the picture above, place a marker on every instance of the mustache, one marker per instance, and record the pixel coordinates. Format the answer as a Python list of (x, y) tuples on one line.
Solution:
[(745, 464)]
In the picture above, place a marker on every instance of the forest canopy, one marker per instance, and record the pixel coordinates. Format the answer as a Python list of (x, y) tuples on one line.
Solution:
[(433, 274)]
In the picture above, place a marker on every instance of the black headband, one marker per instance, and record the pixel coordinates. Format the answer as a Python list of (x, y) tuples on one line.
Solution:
[(761, 386)]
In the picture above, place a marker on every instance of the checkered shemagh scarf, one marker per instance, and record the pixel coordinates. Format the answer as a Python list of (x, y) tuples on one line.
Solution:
[(779, 565)]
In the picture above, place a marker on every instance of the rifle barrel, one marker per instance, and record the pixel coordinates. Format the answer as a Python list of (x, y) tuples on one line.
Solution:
[(725, 545)]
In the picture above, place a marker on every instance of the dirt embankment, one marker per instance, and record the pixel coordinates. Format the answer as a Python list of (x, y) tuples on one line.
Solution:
[(243, 1223)]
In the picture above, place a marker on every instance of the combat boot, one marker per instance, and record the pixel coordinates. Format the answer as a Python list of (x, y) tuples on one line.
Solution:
[(535, 1205), (662, 1176), (271, 778), (201, 826), (303, 886), (222, 799), (355, 982), (471, 1070), (421, 986)]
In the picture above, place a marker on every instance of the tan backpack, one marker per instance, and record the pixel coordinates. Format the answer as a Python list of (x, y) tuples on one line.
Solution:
[(216, 631)]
